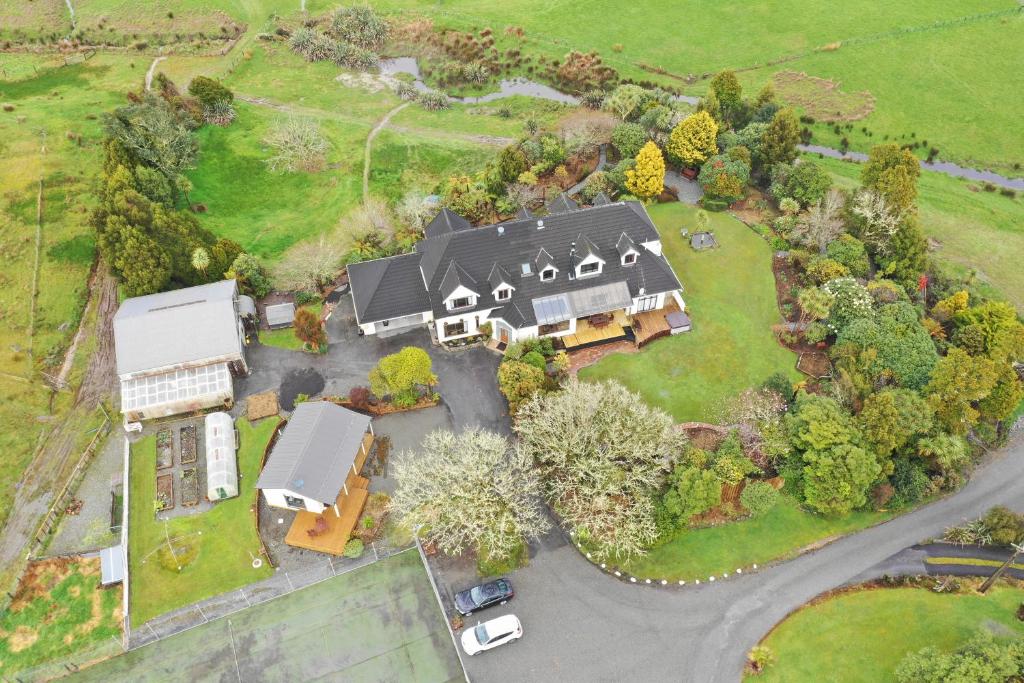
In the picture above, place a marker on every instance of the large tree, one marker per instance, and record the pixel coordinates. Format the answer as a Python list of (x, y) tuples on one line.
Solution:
[(729, 94), (892, 172), (603, 453), (309, 266), (308, 329), (778, 144), (400, 373), (155, 135), (693, 140), (470, 490), (646, 180), (892, 417), (958, 382), (822, 223)]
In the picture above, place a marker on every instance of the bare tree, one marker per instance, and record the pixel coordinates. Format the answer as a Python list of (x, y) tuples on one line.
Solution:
[(880, 221), (309, 266), (415, 211), (298, 145), (822, 223), (521, 194), (470, 490)]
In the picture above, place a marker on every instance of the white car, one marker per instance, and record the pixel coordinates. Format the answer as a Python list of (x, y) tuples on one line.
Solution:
[(491, 634)]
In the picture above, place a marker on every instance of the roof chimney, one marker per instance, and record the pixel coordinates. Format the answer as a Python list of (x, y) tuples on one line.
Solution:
[(540, 224), (501, 230)]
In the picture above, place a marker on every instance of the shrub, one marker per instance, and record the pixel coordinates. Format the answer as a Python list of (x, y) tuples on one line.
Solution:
[(910, 481), (434, 101), (252, 277), (852, 301), (535, 359), (789, 206), (723, 178), (628, 138), (815, 332), (219, 113), (494, 565), (1004, 525), (354, 548), (807, 182), (304, 298), (518, 382), (850, 251), (359, 25), (209, 91), (298, 145), (760, 658), (822, 270), (359, 397), (759, 497)]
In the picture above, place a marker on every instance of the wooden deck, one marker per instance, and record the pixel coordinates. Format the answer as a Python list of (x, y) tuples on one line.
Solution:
[(339, 528), (589, 334), (651, 325)]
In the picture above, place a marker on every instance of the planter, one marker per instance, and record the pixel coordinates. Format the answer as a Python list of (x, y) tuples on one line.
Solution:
[(188, 444), (164, 449), (190, 487)]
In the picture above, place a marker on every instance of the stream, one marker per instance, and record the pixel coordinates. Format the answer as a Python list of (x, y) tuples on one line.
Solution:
[(523, 86)]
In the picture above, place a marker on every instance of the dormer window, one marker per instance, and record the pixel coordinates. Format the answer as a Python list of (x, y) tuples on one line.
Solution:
[(503, 294), (590, 268), (547, 274), (462, 302), (629, 258)]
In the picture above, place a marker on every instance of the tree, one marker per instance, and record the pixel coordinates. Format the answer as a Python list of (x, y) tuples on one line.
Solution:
[(308, 329), (153, 133), (694, 139), (838, 470), (724, 178), (958, 382), (470, 490), (981, 660), (778, 144), (628, 138), (298, 146), (309, 266), (646, 180), (758, 497), (691, 491), (518, 382), (729, 93), (400, 373), (807, 182), (511, 162), (907, 255), (602, 452), (850, 251), (200, 259), (997, 332), (252, 277), (823, 223), (815, 304), (946, 454), (850, 301), (625, 101), (210, 91), (1004, 525), (1005, 396), (904, 351), (878, 223), (892, 172), (892, 417)]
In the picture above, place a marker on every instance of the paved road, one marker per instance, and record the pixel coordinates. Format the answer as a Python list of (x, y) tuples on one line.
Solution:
[(581, 625)]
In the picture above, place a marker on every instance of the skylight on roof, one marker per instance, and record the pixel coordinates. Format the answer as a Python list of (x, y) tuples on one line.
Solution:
[(526, 269)]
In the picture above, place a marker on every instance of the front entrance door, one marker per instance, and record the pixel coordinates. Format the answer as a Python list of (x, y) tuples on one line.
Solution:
[(503, 335)]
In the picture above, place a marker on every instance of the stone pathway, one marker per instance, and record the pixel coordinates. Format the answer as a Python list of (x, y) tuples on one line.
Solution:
[(688, 191)]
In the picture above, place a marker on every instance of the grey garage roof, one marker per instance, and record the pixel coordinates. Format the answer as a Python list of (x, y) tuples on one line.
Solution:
[(315, 452), (388, 288), (279, 315), (180, 327)]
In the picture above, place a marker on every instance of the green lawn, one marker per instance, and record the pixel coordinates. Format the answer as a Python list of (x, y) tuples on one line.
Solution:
[(59, 610), (862, 636), (730, 295), (779, 534), (285, 338), (377, 623), (978, 230), (225, 538), (947, 84)]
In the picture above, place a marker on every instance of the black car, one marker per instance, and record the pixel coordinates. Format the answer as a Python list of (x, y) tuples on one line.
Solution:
[(485, 595)]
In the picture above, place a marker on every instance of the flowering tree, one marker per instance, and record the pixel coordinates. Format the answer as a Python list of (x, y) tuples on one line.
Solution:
[(470, 490)]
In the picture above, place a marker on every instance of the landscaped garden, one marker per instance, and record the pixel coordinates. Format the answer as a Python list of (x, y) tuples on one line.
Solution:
[(730, 296), (864, 634), (188, 558), (58, 609)]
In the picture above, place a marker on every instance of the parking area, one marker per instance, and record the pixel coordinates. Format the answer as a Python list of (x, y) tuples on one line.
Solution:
[(377, 623)]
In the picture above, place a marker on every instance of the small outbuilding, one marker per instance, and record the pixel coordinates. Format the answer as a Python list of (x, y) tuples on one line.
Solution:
[(280, 316), (703, 240), (221, 463)]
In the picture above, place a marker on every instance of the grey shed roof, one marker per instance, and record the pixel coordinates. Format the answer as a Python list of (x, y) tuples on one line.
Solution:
[(315, 452), (177, 328), (111, 565), (562, 204), (281, 314)]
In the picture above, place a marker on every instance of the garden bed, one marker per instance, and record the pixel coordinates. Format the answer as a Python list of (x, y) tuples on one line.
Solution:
[(814, 364), (787, 284), (188, 444), (190, 487), (164, 449), (165, 491), (383, 407)]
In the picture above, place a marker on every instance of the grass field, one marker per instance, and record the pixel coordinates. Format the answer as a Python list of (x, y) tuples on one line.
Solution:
[(59, 608), (730, 296), (829, 641), (223, 540), (778, 534), (944, 79), (975, 230), (376, 623)]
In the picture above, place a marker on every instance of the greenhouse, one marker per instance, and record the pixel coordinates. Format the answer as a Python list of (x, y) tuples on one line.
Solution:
[(221, 465)]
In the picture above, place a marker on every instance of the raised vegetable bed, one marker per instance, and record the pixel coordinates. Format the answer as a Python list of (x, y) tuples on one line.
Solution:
[(164, 449), (165, 491), (188, 444), (190, 487)]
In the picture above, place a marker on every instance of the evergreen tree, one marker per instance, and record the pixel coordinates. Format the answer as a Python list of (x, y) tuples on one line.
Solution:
[(694, 139), (778, 145), (647, 179)]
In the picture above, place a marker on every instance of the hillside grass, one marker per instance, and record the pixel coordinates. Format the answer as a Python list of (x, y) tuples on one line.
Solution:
[(224, 540), (730, 297), (863, 635), (974, 230), (949, 84)]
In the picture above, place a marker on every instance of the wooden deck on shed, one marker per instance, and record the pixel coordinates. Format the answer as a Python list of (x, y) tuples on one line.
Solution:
[(339, 528)]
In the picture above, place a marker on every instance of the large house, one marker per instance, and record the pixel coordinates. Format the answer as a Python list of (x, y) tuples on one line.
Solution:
[(583, 274), (177, 351)]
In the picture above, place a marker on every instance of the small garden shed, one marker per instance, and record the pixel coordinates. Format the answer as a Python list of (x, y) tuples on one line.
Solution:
[(280, 315), (221, 464)]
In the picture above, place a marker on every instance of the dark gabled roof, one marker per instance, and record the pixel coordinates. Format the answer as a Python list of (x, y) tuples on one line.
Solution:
[(454, 278), (562, 204), (433, 250), (515, 316), (600, 199), (388, 288), (523, 213), (625, 245), (498, 276), (585, 248), (544, 259), (446, 221)]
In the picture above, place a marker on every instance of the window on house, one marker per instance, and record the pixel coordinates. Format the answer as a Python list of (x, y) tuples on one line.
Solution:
[(629, 259), (589, 268), (503, 294), (462, 302), (553, 328), (547, 274), (646, 303), (455, 329), (293, 502)]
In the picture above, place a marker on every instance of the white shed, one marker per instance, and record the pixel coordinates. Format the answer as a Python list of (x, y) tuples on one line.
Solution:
[(221, 465)]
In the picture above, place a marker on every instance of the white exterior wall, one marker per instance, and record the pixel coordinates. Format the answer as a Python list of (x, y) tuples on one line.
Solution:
[(471, 324), (660, 303), (275, 498), (373, 328)]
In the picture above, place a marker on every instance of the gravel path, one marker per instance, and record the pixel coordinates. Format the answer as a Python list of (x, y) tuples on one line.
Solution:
[(90, 529)]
